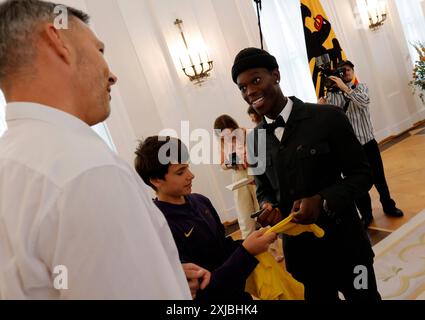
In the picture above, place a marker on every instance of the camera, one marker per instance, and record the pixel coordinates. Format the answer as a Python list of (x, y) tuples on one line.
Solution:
[(323, 63), (232, 160)]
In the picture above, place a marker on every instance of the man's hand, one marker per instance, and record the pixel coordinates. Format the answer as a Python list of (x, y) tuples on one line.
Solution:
[(340, 84), (197, 277), (257, 242), (307, 210), (270, 216)]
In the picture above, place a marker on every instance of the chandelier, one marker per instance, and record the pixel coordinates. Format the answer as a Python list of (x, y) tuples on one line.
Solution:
[(373, 12), (196, 67)]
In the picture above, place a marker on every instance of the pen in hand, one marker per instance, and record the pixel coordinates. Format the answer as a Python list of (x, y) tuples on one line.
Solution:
[(259, 212)]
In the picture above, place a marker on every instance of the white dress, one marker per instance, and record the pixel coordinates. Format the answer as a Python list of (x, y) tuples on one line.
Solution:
[(245, 197)]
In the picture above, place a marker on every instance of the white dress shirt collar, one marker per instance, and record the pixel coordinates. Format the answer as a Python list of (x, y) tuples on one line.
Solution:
[(286, 112), (29, 110)]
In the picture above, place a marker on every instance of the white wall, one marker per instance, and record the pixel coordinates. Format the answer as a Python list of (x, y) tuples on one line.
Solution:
[(152, 93), (423, 6), (2, 114)]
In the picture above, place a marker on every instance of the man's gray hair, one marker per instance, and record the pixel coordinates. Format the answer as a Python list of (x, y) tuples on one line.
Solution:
[(18, 23)]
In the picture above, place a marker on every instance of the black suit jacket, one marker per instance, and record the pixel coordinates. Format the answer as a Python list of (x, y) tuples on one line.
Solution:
[(318, 154)]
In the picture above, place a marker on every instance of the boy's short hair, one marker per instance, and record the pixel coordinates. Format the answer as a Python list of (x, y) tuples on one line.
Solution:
[(155, 154)]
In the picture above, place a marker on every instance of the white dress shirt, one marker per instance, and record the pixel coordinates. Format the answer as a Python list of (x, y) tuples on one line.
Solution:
[(286, 112), (67, 200)]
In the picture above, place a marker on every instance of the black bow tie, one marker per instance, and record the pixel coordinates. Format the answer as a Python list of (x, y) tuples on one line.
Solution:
[(270, 127)]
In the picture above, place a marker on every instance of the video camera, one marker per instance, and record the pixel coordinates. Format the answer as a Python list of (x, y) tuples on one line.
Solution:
[(323, 63)]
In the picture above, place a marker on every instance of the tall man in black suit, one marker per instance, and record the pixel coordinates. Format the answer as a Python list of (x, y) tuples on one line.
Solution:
[(314, 168)]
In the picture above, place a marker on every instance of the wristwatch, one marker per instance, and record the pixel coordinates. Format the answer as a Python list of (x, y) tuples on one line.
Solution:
[(325, 206), (329, 213)]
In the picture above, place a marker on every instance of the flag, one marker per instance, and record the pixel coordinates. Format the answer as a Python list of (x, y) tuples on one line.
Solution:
[(320, 40)]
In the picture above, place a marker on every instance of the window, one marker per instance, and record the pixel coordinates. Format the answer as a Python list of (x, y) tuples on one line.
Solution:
[(413, 22), (282, 26)]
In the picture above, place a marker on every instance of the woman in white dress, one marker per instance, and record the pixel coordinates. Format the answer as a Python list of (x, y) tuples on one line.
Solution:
[(233, 157)]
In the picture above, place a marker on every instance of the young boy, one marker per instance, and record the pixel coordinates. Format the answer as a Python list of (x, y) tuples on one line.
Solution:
[(194, 222)]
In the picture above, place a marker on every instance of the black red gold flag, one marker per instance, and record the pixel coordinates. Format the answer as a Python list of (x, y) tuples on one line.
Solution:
[(320, 40)]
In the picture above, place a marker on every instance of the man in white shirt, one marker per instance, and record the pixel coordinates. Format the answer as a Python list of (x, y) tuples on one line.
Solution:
[(76, 221)]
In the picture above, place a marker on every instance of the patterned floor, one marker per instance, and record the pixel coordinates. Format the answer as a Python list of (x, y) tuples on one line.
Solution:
[(400, 262)]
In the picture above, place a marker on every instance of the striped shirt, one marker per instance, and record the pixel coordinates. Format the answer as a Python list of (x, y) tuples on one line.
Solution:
[(358, 110)]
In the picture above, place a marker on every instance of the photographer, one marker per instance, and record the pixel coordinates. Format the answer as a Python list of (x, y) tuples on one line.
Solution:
[(233, 156), (354, 99)]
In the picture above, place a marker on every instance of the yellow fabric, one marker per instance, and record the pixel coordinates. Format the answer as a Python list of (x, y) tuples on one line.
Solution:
[(294, 229), (269, 280)]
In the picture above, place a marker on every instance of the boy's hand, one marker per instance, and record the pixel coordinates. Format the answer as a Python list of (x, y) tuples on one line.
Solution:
[(257, 242), (197, 277)]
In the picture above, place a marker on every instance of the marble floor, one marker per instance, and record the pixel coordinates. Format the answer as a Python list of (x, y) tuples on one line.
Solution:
[(404, 162)]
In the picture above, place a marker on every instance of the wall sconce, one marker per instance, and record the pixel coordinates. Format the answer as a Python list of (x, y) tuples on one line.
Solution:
[(373, 12), (195, 70)]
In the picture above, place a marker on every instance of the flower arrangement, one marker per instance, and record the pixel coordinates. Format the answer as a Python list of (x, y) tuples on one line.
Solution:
[(418, 81)]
